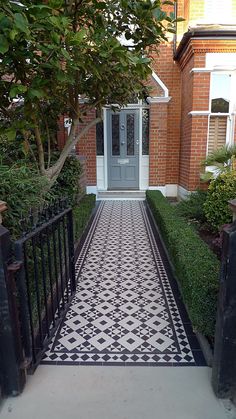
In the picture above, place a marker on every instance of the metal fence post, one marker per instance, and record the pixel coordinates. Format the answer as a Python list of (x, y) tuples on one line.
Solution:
[(224, 363), (71, 250), (11, 356)]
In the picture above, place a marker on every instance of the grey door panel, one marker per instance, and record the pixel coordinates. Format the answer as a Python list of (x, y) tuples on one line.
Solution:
[(123, 149)]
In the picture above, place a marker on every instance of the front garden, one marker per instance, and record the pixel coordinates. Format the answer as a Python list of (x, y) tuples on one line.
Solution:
[(192, 233)]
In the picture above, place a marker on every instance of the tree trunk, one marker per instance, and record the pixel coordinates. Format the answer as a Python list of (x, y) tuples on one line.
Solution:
[(53, 172)]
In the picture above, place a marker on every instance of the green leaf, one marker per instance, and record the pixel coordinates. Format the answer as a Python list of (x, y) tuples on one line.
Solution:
[(4, 45), (12, 34), (159, 14), (10, 133), (21, 22), (56, 4), (179, 19), (17, 89), (36, 93), (55, 37), (65, 54), (79, 36)]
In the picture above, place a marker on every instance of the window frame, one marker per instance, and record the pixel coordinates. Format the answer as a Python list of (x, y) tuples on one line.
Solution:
[(232, 100)]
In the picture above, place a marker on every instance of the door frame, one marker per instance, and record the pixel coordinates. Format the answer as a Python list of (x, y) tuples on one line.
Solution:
[(113, 161), (138, 107)]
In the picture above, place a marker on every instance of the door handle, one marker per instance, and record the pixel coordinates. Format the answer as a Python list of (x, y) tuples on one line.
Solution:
[(122, 143)]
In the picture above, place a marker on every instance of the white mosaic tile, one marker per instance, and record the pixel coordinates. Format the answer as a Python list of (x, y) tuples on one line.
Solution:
[(124, 310)]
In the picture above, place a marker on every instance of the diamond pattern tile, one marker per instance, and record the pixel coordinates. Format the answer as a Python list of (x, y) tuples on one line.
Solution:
[(124, 311)]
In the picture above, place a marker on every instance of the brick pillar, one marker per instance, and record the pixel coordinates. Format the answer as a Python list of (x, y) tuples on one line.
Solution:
[(158, 144), (198, 150), (199, 126), (87, 148)]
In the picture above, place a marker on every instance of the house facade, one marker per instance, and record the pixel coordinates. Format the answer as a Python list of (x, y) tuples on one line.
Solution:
[(160, 143)]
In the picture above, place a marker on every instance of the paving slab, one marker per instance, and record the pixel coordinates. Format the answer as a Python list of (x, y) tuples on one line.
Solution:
[(96, 392)]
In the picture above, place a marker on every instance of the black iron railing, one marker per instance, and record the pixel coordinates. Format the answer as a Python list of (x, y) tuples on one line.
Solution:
[(45, 279)]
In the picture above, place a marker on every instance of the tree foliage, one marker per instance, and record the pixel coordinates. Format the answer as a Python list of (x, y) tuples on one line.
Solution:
[(66, 56)]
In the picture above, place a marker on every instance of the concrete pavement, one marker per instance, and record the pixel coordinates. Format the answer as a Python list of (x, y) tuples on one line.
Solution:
[(99, 392)]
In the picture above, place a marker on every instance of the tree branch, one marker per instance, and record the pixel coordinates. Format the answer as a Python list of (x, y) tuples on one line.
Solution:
[(39, 146), (54, 170)]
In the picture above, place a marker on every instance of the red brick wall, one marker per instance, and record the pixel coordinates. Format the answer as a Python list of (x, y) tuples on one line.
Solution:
[(87, 148), (158, 144), (194, 129), (195, 97), (186, 123), (61, 133), (169, 73)]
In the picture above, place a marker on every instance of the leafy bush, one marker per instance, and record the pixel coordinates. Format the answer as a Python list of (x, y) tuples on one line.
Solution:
[(81, 214), (11, 151), (192, 207), (196, 267), (67, 184), (23, 189), (220, 191)]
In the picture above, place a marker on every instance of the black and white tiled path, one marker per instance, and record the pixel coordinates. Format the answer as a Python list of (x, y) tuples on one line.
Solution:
[(124, 311)]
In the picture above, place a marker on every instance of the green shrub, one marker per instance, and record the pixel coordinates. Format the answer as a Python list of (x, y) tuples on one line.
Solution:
[(23, 189), (67, 184), (81, 214), (196, 267), (192, 207), (220, 191)]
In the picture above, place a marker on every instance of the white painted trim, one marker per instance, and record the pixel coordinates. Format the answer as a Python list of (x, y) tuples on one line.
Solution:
[(120, 199), (105, 148), (212, 69), (162, 189), (169, 190), (199, 113), (140, 128), (164, 99), (105, 109), (182, 192), (160, 83), (200, 70), (92, 189)]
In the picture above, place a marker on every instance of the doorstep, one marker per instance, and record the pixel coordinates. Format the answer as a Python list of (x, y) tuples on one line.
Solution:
[(121, 195)]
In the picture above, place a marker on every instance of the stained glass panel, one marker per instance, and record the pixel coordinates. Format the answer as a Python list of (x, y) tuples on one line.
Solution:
[(115, 122), (130, 134), (145, 129), (100, 138)]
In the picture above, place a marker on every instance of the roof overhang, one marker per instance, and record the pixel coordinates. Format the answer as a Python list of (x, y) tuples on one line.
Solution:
[(207, 32)]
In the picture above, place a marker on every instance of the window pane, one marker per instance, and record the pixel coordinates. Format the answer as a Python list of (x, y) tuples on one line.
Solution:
[(220, 92), (115, 132), (145, 129), (130, 134), (219, 105), (100, 139)]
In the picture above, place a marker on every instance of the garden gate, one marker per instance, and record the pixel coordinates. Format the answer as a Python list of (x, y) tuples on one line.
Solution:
[(224, 363), (37, 283)]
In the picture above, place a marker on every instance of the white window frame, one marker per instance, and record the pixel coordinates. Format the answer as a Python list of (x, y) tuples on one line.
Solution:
[(230, 114)]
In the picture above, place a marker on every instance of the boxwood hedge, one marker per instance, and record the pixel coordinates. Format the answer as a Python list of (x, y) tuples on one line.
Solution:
[(82, 213), (196, 267)]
